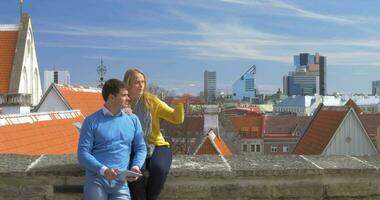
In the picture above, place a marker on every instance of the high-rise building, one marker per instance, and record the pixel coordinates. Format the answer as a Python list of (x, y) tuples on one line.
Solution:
[(244, 87), (309, 78), (57, 77), (210, 86), (376, 88)]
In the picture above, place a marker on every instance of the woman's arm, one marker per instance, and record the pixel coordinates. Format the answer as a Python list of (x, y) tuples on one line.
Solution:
[(175, 116)]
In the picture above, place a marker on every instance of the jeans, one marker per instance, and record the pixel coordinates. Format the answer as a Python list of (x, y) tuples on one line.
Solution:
[(96, 187), (148, 188)]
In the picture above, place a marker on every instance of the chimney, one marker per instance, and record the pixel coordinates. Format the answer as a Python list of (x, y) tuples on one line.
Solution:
[(211, 119)]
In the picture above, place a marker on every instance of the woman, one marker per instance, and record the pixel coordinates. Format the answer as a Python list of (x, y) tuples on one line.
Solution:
[(150, 109)]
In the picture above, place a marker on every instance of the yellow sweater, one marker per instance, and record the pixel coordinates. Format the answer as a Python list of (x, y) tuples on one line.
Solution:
[(160, 109)]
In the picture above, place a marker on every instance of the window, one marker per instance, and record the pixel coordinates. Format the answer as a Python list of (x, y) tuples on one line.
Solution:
[(245, 148), (273, 148), (56, 77), (285, 148), (252, 147), (258, 148), (249, 85)]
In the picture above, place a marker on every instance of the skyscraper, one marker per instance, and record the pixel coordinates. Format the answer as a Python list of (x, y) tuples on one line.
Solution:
[(309, 77), (57, 77), (376, 88), (244, 87), (210, 86)]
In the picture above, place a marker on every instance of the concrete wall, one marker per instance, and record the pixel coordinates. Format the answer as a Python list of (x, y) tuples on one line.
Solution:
[(208, 177)]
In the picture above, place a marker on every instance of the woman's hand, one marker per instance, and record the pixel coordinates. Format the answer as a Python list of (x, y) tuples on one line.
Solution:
[(127, 110), (133, 178)]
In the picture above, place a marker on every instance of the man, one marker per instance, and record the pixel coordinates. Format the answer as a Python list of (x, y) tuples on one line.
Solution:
[(105, 145)]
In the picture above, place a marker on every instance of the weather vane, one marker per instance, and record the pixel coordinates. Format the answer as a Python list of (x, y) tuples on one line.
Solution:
[(102, 70)]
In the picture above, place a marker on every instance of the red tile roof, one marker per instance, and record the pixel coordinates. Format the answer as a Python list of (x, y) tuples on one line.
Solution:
[(352, 104), (191, 127), (40, 133), (213, 144), (284, 125), (244, 110), (8, 40), (370, 121), (248, 126), (321, 129), (86, 100)]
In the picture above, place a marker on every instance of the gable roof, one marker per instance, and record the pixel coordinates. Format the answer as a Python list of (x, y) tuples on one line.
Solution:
[(212, 144), (321, 129), (370, 121), (87, 100), (352, 104), (8, 41), (40, 133)]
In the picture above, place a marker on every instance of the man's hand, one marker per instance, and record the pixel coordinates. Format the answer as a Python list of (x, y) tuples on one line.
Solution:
[(133, 178), (110, 174)]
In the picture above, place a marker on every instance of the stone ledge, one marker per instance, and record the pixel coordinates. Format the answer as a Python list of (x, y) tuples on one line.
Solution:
[(208, 177), (201, 166)]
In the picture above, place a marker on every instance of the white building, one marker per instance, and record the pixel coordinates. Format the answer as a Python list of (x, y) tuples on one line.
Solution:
[(300, 105), (57, 77), (20, 84)]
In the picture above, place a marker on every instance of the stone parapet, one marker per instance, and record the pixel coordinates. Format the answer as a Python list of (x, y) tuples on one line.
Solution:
[(208, 177)]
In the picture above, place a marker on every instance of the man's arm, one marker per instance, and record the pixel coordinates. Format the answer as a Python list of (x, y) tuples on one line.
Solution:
[(139, 147), (85, 145)]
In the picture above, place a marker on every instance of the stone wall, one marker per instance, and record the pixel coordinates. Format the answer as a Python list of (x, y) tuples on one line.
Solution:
[(208, 177)]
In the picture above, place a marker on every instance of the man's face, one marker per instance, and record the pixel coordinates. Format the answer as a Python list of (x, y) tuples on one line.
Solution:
[(121, 100)]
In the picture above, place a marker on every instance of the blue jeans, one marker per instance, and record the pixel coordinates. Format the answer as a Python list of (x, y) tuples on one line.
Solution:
[(96, 187)]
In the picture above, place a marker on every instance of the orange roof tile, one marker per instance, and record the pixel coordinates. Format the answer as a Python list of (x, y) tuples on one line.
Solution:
[(248, 126), (8, 40), (40, 133), (223, 148), (212, 144), (321, 129), (87, 101)]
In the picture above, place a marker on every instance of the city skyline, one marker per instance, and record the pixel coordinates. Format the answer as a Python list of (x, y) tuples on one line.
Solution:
[(175, 42)]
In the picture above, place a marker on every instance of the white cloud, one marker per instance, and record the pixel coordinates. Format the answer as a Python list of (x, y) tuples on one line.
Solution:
[(282, 8)]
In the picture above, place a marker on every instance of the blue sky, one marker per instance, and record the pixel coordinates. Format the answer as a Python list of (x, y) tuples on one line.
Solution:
[(174, 41)]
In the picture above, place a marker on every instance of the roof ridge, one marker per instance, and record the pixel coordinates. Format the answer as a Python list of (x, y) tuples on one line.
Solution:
[(9, 27), (13, 119), (79, 88)]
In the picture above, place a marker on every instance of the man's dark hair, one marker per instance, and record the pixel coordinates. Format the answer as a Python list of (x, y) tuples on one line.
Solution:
[(112, 86)]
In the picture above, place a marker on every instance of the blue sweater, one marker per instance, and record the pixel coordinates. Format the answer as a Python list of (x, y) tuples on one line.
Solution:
[(107, 141)]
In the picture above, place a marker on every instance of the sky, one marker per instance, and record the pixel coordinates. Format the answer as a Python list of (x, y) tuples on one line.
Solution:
[(175, 41)]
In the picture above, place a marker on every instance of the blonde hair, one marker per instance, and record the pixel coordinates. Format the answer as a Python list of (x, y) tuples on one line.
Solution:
[(127, 81)]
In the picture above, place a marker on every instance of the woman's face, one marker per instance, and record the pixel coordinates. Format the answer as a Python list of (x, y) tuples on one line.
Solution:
[(137, 85)]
